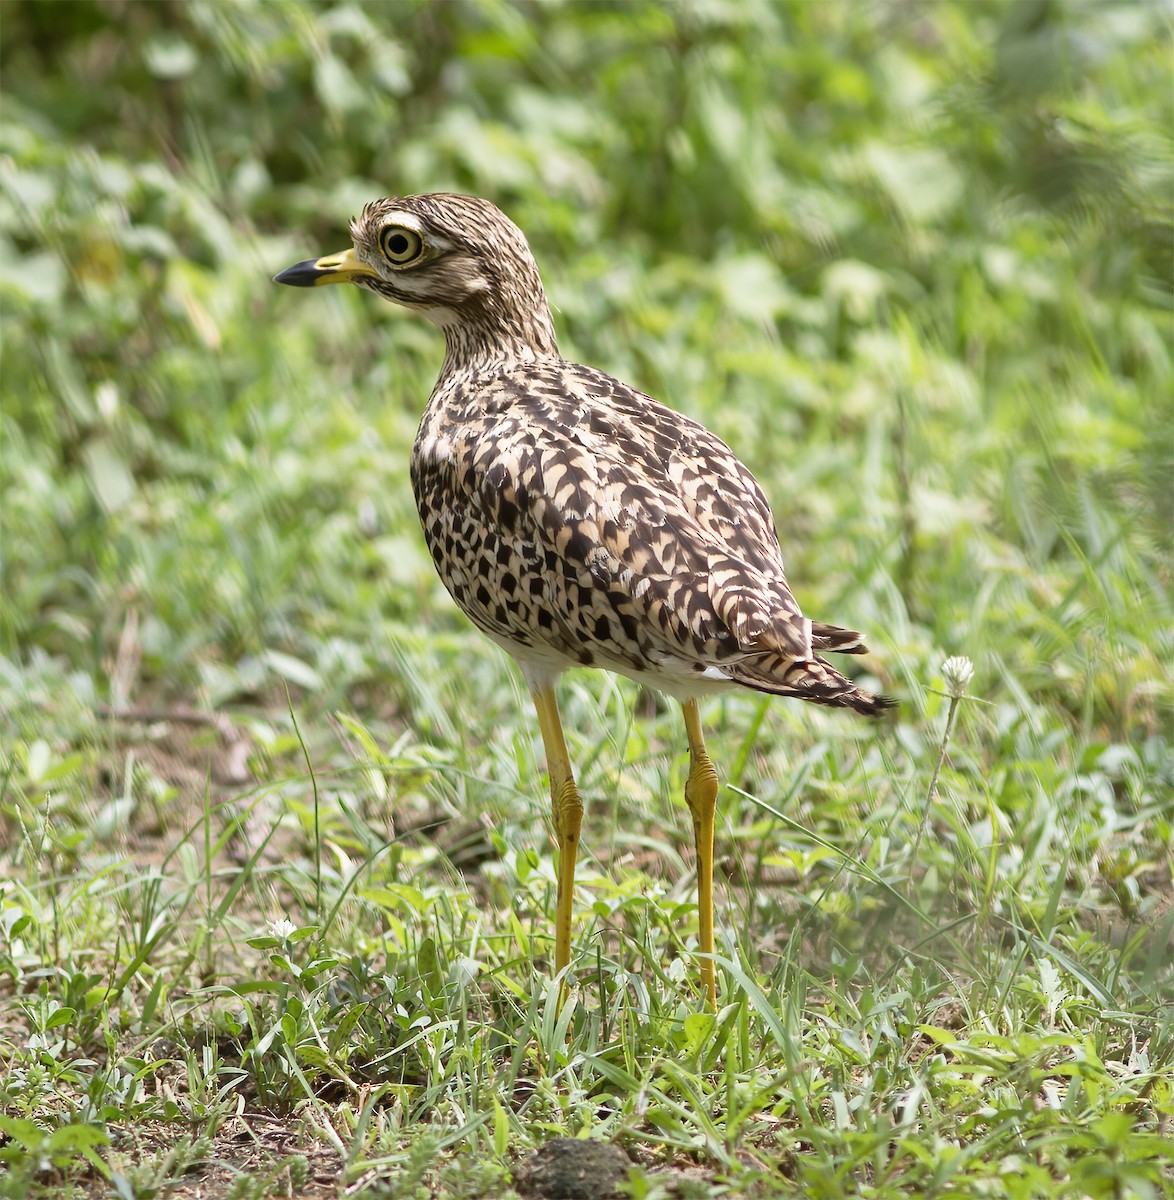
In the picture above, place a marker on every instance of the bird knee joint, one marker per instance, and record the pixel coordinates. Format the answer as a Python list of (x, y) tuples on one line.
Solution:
[(568, 805), (701, 787)]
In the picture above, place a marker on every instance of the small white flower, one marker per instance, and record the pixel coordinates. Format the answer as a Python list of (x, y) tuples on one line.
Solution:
[(281, 928), (957, 672)]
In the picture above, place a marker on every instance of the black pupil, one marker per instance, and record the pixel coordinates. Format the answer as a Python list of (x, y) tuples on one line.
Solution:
[(398, 244)]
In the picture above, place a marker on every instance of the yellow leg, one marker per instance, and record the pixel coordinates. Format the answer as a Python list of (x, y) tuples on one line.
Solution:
[(567, 813), (701, 796)]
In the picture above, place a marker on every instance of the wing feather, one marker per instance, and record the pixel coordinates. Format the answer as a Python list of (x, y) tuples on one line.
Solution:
[(574, 515)]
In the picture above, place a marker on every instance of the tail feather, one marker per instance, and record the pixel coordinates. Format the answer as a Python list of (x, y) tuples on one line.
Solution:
[(839, 641), (811, 679)]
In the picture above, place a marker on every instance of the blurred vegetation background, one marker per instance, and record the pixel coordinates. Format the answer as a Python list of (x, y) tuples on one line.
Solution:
[(913, 260)]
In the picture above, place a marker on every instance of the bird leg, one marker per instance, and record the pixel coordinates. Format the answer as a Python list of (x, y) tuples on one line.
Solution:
[(567, 814), (701, 796)]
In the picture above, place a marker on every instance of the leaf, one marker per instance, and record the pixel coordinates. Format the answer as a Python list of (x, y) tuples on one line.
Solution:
[(170, 57), (66, 765), (921, 181), (109, 475), (40, 276), (364, 736), (351, 1018), (698, 1028), (943, 1037), (37, 760), (753, 287), (336, 86), (314, 1055), (293, 669), (63, 1016), (857, 285), (263, 943), (396, 895), (95, 997), (428, 964), (501, 1129)]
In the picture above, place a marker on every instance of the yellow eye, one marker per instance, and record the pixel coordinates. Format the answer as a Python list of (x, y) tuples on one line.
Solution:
[(401, 245)]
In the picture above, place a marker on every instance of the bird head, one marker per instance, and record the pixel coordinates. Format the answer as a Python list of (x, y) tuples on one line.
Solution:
[(458, 260)]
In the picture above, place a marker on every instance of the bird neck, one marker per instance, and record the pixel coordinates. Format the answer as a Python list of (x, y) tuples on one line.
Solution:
[(507, 323), (469, 351)]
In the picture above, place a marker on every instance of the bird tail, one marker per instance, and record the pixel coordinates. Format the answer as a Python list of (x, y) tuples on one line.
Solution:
[(837, 640), (812, 679)]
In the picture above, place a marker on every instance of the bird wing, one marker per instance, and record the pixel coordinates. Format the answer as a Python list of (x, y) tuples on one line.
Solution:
[(649, 542)]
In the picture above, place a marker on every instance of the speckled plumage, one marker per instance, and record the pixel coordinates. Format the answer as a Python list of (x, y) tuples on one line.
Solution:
[(574, 519), (579, 522)]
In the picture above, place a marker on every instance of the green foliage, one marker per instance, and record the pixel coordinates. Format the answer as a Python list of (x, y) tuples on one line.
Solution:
[(916, 264), (30, 1150)]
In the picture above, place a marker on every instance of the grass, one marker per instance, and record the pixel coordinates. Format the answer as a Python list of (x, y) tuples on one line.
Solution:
[(275, 884), (292, 978)]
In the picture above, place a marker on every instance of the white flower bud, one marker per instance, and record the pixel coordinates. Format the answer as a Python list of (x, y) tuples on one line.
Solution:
[(957, 673)]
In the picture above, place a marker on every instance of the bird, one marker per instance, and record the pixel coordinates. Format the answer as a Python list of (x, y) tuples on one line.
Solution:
[(577, 521)]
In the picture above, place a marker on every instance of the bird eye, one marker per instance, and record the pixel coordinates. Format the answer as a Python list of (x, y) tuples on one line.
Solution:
[(401, 245)]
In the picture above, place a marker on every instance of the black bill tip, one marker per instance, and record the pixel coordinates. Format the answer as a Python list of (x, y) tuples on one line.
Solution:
[(303, 274)]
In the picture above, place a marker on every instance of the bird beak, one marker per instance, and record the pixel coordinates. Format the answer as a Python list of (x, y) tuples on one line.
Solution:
[(334, 268)]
